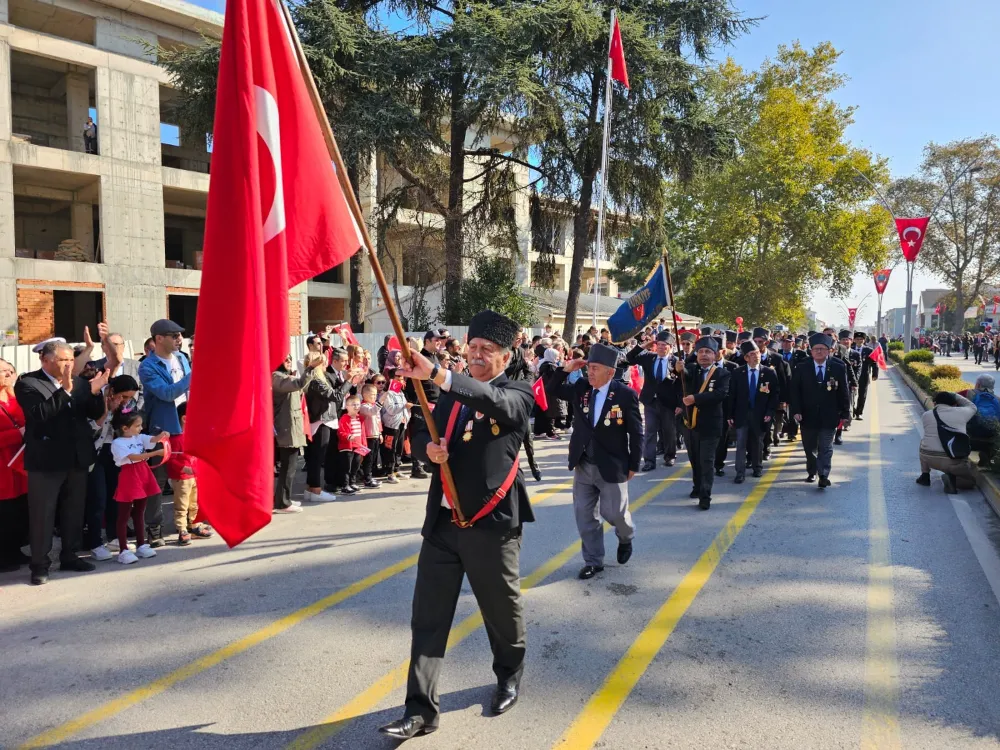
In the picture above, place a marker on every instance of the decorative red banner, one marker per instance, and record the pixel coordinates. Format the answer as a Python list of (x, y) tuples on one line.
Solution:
[(882, 279), (852, 314), (911, 235)]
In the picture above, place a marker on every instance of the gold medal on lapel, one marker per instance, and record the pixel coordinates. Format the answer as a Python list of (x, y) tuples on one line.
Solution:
[(607, 422), (621, 421), (495, 429), (466, 437)]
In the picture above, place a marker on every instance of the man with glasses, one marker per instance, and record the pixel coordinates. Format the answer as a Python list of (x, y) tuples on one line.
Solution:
[(165, 377), (125, 366)]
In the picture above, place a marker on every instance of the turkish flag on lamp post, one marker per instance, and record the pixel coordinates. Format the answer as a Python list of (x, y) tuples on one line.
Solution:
[(852, 315), (882, 280), (617, 55), (276, 217), (911, 235)]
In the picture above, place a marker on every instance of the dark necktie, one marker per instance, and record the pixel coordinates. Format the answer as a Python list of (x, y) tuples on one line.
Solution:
[(819, 375), (659, 369), (595, 415), (753, 388)]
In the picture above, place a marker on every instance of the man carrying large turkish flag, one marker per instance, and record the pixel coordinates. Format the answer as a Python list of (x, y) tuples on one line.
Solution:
[(276, 217)]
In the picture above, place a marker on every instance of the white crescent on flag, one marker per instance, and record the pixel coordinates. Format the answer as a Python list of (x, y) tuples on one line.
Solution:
[(269, 129), (911, 229)]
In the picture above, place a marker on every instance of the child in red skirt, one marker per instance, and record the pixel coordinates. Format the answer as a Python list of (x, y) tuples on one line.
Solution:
[(131, 451)]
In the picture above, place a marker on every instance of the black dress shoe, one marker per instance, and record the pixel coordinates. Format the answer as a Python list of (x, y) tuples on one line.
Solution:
[(407, 728), (924, 480), (419, 474), (857, 417), (648, 466), (39, 577), (694, 493), (720, 472), (705, 503), (824, 482), (740, 479), (838, 441), (589, 571), (504, 698), (758, 473), (811, 478), (624, 552), (77, 565), (669, 462)]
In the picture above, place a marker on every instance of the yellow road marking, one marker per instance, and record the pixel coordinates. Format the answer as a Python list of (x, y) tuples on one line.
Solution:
[(74, 726), (379, 690), (880, 716), (595, 717)]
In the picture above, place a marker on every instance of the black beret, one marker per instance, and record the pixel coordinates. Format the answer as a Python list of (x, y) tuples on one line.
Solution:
[(821, 339), (602, 354), (707, 342), (494, 327), (730, 336), (748, 346), (761, 333)]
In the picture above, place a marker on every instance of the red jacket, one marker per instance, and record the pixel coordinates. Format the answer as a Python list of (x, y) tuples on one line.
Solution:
[(179, 459), (351, 433), (13, 481)]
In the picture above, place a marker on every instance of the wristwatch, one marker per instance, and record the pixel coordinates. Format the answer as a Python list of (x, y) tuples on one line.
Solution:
[(434, 373)]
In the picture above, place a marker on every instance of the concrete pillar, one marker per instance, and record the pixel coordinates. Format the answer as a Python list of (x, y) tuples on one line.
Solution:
[(81, 219), (5, 122), (77, 108)]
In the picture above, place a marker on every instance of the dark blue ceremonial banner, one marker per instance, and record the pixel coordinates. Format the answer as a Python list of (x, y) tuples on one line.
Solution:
[(642, 307)]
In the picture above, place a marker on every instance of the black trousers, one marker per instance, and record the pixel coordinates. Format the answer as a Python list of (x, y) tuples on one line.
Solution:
[(818, 446), (316, 456), (491, 560), (722, 449), (859, 405), (370, 461), (44, 488), (701, 454), (350, 467), (288, 465), (13, 528), (100, 511), (392, 449)]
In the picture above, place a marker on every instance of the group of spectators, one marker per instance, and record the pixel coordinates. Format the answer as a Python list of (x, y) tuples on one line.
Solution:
[(89, 446)]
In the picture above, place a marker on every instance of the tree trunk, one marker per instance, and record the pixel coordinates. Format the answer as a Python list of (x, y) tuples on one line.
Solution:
[(581, 220), (959, 325), (360, 270), (454, 234)]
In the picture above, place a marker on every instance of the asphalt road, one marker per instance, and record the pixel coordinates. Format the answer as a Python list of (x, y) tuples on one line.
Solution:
[(864, 615)]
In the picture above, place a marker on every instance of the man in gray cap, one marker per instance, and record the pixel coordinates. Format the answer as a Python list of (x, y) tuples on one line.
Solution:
[(705, 388), (604, 452), (658, 398), (820, 402)]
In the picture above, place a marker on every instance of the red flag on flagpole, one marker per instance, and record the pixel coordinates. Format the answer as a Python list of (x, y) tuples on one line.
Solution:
[(540, 398), (911, 235), (852, 314), (276, 217), (617, 54), (878, 357)]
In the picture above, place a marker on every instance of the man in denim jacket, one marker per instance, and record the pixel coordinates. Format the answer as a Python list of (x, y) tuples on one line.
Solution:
[(166, 377)]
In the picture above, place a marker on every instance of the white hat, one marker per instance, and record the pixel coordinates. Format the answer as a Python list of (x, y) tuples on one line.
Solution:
[(37, 348)]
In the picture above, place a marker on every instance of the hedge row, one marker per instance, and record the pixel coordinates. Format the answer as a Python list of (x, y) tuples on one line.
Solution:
[(896, 346), (928, 376)]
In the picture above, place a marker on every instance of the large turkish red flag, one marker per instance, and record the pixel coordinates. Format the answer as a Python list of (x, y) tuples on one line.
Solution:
[(617, 54), (911, 235), (276, 217)]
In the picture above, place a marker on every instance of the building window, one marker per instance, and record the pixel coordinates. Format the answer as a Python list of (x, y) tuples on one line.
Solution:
[(182, 309), (51, 102), (56, 215), (71, 311)]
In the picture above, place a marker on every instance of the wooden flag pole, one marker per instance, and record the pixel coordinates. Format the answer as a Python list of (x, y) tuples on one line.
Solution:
[(677, 338), (359, 219)]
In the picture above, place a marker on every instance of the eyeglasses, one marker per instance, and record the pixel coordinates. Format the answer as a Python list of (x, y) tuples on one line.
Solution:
[(379, 382)]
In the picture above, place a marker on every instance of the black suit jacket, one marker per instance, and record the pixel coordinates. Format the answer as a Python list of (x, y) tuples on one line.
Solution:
[(618, 446), (431, 390), (711, 403), (480, 465), (783, 371), (57, 435), (652, 389), (821, 405), (765, 404)]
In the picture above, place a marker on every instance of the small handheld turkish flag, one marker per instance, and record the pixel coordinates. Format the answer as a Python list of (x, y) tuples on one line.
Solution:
[(617, 54), (540, 398), (345, 332), (911, 235), (878, 357)]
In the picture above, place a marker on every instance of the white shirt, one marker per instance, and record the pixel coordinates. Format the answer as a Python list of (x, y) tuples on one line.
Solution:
[(55, 381), (176, 372), (598, 406), (123, 447)]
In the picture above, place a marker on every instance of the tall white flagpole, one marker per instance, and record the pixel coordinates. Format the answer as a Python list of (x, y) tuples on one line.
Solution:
[(604, 173)]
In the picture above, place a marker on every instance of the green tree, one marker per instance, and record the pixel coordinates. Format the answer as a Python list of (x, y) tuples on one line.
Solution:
[(494, 286), (789, 214), (659, 127), (962, 245)]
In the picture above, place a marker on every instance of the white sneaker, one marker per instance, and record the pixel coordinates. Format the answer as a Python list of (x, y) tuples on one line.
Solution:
[(101, 554), (145, 551), (318, 497), (290, 509), (296, 503), (127, 557)]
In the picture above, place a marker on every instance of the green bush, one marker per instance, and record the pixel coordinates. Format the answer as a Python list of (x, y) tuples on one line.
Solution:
[(896, 346), (950, 385), (920, 373), (919, 355), (940, 372)]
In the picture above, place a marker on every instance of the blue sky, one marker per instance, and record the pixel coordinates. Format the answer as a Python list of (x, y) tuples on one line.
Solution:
[(920, 71)]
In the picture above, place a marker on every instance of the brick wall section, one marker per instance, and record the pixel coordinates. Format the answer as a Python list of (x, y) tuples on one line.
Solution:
[(295, 315), (36, 313), (324, 311)]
